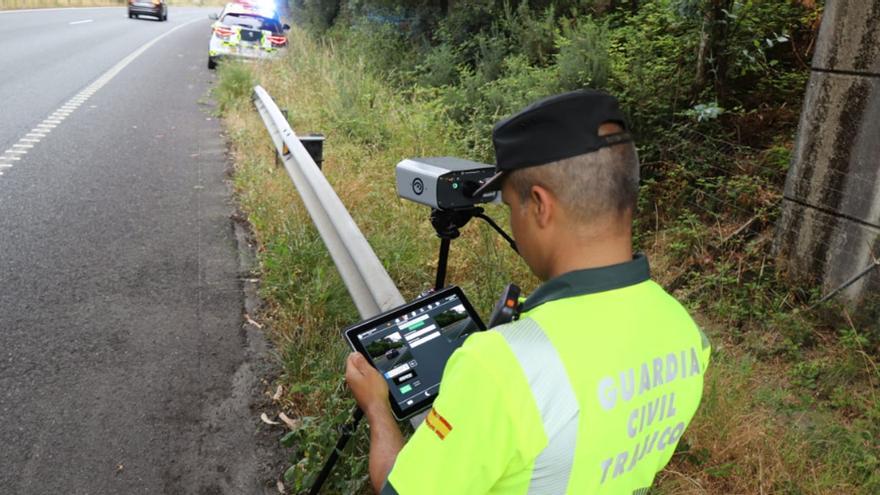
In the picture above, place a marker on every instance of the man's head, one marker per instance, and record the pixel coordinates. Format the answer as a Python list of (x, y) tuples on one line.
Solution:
[(569, 172)]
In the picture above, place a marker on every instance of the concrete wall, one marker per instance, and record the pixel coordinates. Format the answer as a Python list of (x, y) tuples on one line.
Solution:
[(830, 223)]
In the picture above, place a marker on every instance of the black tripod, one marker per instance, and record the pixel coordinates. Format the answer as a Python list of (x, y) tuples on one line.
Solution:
[(447, 224), (348, 430)]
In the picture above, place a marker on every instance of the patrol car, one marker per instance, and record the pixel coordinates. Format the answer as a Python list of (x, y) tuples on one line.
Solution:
[(247, 31)]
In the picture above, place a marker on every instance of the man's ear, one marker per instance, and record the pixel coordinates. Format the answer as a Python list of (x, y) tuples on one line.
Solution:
[(542, 205)]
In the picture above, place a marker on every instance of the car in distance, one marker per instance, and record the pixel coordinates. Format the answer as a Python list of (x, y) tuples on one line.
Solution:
[(154, 8), (247, 32)]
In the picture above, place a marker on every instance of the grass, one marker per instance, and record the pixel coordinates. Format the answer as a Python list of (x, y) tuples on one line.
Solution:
[(791, 400)]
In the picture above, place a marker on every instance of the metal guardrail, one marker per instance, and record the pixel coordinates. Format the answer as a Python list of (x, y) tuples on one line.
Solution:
[(368, 283)]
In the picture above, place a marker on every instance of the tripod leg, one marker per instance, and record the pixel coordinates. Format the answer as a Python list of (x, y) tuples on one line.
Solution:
[(441, 263), (347, 431)]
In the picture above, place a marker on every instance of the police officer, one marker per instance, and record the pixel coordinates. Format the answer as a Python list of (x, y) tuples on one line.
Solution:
[(590, 390)]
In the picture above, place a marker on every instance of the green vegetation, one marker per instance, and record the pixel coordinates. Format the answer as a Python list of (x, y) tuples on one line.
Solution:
[(714, 89)]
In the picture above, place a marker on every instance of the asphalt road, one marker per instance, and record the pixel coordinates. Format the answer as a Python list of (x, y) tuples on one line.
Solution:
[(124, 365)]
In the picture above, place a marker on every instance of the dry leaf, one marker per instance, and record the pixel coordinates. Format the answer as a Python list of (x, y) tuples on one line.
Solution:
[(252, 322), (277, 393), (267, 420), (291, 423), (280, 486)]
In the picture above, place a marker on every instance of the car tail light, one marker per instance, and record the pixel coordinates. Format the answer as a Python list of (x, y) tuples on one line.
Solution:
[(278, 40), (223, 32)]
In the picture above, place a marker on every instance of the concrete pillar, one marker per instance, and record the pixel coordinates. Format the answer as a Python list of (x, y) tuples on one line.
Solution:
[(830, 224)]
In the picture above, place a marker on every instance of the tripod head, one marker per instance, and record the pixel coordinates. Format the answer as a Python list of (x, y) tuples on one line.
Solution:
[(448, 222)]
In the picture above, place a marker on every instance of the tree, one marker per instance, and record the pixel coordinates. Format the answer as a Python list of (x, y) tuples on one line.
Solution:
[(713, 34)]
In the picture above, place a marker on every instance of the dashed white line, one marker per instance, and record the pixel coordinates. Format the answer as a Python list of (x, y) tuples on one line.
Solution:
[(56, 118), (23, 11), (80, 22)]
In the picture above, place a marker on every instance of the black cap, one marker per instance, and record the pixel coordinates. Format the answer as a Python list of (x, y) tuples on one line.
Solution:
[(552, 129)]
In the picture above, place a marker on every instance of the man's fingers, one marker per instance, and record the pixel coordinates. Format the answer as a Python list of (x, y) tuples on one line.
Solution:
[(358, 360), (356, 366), (351, 369)]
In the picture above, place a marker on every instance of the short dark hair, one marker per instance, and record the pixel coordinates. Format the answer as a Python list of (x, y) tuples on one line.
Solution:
[(599, 183)]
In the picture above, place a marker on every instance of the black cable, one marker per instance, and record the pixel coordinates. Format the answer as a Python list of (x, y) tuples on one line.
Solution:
[(498, 229), (832, 213)]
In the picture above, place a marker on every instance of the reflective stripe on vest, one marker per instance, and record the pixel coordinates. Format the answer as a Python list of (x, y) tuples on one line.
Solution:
[(556, 401)]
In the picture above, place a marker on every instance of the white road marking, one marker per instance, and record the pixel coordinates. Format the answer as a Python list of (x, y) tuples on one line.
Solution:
[(25, 11), (81, 22), (56, 117)]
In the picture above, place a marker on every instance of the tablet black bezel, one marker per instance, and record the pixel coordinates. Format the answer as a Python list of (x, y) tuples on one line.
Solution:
[(351, 333)]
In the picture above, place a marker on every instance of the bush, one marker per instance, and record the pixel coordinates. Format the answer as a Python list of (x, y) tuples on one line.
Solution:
[(439, 67), (583, 59), (535, 34), (236, 85), (380, 45)]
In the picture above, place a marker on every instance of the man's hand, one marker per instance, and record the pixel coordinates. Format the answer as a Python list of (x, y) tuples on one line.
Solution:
[(371, 393), (369, 388)]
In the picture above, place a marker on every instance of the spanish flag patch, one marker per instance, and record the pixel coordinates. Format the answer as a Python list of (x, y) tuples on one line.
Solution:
[(438, 424)]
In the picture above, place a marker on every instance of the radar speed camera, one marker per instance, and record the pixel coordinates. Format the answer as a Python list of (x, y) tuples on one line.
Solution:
[(443, 183)]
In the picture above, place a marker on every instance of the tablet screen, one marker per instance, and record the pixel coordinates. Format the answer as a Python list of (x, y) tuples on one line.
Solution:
[(411, 344)]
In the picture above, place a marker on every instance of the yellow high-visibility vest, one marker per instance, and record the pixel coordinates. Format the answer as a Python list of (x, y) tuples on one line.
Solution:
[(587, 393)]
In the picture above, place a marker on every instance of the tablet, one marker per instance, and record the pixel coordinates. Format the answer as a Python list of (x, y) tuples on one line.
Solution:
[(410, 345)]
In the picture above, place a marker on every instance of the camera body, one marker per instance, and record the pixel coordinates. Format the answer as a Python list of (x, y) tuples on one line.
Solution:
[(443, 183)]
